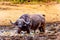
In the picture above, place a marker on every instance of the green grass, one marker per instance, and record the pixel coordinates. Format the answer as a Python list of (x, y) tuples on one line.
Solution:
[(58, 1), (24, 1)]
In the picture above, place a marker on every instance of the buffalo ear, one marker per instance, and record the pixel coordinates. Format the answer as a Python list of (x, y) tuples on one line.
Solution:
[(43, 15)]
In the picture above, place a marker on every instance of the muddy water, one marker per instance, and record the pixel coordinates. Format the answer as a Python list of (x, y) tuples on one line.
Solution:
[(5, 30), (10, 33)]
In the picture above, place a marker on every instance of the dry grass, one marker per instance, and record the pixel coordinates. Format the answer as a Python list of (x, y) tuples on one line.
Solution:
[(13, 12)]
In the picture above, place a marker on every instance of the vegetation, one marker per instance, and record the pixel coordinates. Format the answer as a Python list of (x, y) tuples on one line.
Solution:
[(24, 1)]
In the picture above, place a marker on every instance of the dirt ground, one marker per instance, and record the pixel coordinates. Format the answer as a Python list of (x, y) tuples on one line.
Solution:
[(52, 32), (12, 12)]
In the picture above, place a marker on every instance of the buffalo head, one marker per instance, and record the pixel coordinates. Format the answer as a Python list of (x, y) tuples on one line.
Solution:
[(20, 23)]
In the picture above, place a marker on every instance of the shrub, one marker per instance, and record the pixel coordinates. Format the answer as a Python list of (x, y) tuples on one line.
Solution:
[(22, 1)]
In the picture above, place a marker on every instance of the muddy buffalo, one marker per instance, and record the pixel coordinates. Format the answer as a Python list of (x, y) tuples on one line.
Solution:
[(27, 22)]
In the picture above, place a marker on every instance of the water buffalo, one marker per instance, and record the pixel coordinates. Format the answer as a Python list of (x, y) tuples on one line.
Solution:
[(27, 22)]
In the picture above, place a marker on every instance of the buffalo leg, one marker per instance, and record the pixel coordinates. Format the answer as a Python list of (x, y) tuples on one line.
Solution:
[(34, 31), (19, 30), (28, 31), (42, 27)]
